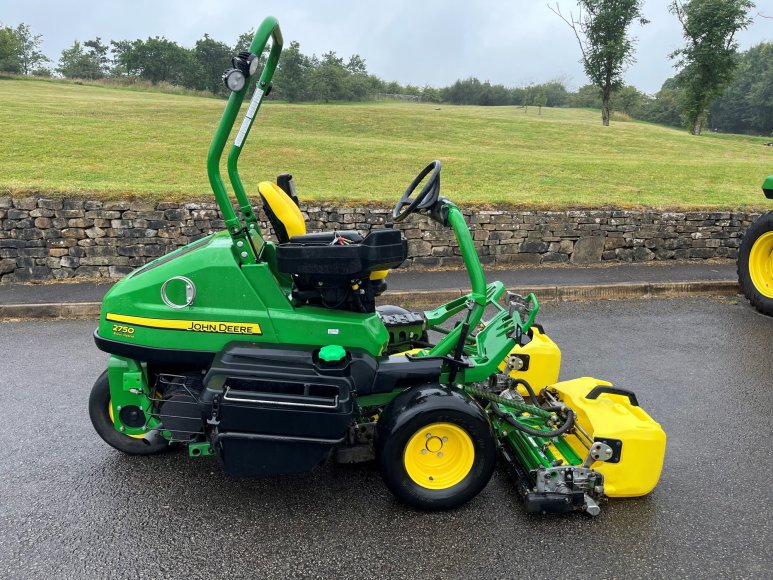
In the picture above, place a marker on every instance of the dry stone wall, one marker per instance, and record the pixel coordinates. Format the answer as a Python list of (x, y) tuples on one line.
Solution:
[(44, 238)]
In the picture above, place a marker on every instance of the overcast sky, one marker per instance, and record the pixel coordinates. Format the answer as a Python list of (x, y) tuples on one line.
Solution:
[(434, 42)]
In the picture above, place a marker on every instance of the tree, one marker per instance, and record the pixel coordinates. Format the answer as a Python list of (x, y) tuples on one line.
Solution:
[(30, 55), (9, 50), (327, 82), (213, 57), (464, 92), (98, 54), (76, 63), (587, 96), (291, 76), (556, 94), (708, 58), (601, 29), (122, 61), (356, 65), (430, 95), (666, 107), (540, 100), (160, 60), (630, 100), (244, 41), (746, 106)]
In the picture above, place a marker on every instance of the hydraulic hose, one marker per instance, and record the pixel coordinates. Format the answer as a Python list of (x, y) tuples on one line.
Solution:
[(525, 385), (523, 408), (520, 407), (568, 424)]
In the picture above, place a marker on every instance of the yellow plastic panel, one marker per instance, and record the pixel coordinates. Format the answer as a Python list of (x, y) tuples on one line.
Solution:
[(544, 362), (613, 416)]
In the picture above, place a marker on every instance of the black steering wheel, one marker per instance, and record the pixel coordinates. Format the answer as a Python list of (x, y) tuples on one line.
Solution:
[(425, 199)]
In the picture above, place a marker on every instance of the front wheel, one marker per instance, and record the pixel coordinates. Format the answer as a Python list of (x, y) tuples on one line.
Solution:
[(755, 264), (435, 448), (100, 412)]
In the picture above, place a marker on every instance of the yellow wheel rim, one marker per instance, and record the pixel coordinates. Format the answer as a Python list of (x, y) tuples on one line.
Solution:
[(112, 418), (439, 456), (761, 264)]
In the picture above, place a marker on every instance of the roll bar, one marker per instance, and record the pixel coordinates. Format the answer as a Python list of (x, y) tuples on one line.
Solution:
[(240, 231)]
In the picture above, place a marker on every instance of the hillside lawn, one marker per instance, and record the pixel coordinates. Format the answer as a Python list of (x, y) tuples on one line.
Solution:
[(100, 142)]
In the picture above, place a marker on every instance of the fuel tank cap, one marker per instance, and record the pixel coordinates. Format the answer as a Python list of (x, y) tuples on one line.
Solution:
[(332, 353)]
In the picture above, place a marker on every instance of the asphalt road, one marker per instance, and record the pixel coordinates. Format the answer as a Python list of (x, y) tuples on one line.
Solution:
[(72, 507)]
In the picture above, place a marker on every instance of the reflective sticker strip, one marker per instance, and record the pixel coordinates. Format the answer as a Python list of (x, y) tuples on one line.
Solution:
[(247, 121), (191, 325)]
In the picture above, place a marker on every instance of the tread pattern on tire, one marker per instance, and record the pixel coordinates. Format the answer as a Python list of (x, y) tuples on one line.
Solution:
[(391, 441), (763, 224)]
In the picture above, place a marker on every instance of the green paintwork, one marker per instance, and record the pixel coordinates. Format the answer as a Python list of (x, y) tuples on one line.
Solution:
[(129, 386), (268, 29), (496, 338), (469, 254), (252, 242), (226, 292), (533, 452), (200, 449), (767, 186)]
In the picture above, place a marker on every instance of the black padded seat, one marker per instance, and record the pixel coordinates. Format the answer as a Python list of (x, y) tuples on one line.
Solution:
[(311, 254), (333, 269)]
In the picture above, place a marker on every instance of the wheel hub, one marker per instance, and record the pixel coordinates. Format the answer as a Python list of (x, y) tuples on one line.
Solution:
[(434, 444), (761, 264), (439, 456), (112, 418)]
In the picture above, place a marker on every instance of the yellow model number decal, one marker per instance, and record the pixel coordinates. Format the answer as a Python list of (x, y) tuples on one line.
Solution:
[(191, 325), (122, 330)]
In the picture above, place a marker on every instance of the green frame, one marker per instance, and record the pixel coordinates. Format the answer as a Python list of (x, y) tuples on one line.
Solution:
[(248, 231)]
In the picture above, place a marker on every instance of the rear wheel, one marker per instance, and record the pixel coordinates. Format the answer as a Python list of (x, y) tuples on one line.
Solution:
[(755, 264), (435, 448), (101, 414)]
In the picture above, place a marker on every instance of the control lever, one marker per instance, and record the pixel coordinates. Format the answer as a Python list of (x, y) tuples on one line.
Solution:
[(517, 303), (526, 307)]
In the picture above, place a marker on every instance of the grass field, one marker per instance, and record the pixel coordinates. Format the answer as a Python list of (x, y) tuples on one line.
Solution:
[(58, 138)]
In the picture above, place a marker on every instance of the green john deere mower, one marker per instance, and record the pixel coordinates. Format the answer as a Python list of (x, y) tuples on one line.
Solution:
[(273, 356), (755, 258)]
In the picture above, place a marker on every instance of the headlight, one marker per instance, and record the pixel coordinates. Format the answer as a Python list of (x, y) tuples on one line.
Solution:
[(234, 79), (246, 62), (253, 60)]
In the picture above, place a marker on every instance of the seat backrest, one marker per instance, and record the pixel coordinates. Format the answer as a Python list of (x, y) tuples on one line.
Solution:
[(285, 217)]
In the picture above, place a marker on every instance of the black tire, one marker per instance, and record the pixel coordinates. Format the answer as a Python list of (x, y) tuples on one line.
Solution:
[(757, 246), (405, 423), (99, 405)]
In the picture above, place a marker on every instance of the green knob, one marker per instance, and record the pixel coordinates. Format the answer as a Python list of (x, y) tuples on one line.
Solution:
[(332, 353)]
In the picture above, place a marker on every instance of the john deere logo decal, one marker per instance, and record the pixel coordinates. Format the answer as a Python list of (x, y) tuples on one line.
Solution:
[(190, 325)]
